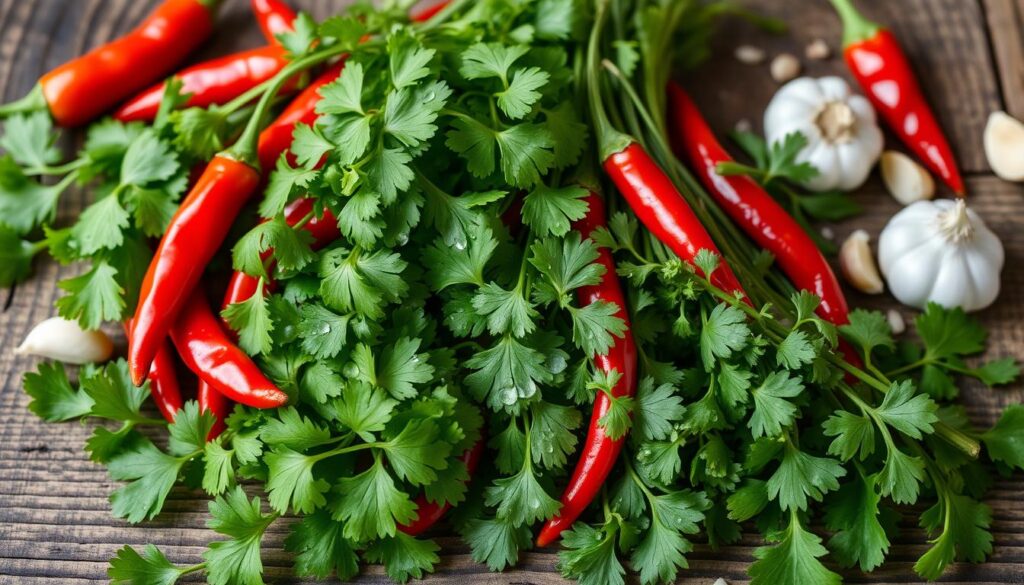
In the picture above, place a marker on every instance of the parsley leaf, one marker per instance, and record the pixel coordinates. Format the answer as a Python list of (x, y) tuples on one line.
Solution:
[(149, 568), (772, 412), (53, 398), (237, 560), (801, 475), (322, 548), (793, 560), (371, 506)]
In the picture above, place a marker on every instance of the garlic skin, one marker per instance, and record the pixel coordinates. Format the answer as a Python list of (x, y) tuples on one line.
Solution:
[(941, 251), (843, 137), (64, 341)]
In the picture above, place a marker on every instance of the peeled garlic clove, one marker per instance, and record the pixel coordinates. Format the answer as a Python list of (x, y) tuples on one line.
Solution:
[(858, 264), (818, 50), (1004, 146), (906, 180), (750, 55), (785, 67), (896, 322), (721, 581), (64, 341)]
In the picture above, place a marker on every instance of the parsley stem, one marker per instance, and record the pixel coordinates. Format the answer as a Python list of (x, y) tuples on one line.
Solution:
[(57, 170), (192, 569)]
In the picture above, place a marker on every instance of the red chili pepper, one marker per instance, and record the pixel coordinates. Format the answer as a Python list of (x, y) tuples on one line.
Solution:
[(659, 205), (599, 452), (214, 82), (216, 403), (163, 381), (753, 209), (884, 72), (757, 212), (83, 89), (425, 14), (207, 350), (274, 17), (194, 235), (430, 513), (277, 137)]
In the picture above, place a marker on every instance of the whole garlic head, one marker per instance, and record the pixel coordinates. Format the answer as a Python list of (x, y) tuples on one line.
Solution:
[(843, 138), (941, 251)]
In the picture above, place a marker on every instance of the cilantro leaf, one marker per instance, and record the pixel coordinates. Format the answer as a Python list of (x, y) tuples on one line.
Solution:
[(30, 140), (657, 410), (868, 329), (1005, 441), (859, 537), (113, 394), (364, 410), (409, 59), (552, 433), (402, 368), (801, 475), (236, 561), (371, 506), (659, 556), (900, 476), (251, 320), (497, 542), (793, 560), (521, 499), (589, 556), (149, 568), (16, 257), (24, 203), (551, 211), (772, 412), (965, 533), (404, 556), (417, 452), (507, 311), (190, 429), (521, 94), (101, 226), (322, 548), (906, 412), (795, 351), (724, 331), (291, 481), (53, 398), (152, 474), (853, 434), (93, 297), (323, 332), (949, 332), (506, 373), (292, 430)]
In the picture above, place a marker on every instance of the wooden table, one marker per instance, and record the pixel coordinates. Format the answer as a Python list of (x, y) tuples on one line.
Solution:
[(55, 522)]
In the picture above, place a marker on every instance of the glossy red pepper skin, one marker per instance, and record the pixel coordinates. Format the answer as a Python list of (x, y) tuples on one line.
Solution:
[(659, 205), (429, 12), (214, 82), (430, 513), (276, 138), (274, 17), (207, 349), (599, 452), (194, 235), (83, 89), (882, 69), (216, 403), (163, 381), (754, 210)]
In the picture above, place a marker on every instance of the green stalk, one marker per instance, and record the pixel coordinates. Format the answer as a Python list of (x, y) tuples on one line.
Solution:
[(610, 141), (856, 28), (244, 150), (35, 101)]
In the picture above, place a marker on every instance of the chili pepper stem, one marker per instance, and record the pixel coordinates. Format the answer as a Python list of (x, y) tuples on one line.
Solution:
[(856, 28), (245, 149), (34, 101), (610, 140)]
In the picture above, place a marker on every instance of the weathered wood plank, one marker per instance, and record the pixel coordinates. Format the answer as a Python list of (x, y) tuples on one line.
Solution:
[(1006, 31), (55, 524)]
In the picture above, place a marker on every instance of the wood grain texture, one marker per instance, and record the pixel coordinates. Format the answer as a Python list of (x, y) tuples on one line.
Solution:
[(1006, 26), (55, 522)]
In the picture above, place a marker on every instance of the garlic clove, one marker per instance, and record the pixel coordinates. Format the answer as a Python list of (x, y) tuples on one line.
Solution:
[(721, 581), (818, 50), (1004, 146), (896, 322), (64, 341), (857, 264), (906, 180), (785, 67), (750, 55)]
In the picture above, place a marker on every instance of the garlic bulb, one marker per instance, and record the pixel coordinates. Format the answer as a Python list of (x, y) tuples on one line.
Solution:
[(843, 138), (64, 341), (941, 251)]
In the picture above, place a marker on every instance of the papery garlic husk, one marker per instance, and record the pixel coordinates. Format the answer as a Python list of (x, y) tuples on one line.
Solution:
[(65, 341), (941, 251)]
